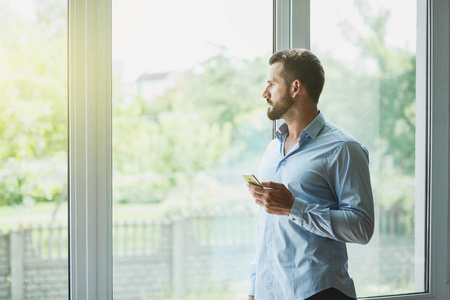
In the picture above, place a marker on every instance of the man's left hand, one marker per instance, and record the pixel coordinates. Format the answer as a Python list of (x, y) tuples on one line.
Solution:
[(274, 197)]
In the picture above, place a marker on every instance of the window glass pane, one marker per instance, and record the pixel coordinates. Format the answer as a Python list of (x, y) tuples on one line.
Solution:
[(368, 49), (188, 120), (33, 150)]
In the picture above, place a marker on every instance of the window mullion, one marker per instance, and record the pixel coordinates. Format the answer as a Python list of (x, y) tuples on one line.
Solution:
[(300, 24), (439, 154), (283, 34), (282, 26), (90, 149), (421, 147)]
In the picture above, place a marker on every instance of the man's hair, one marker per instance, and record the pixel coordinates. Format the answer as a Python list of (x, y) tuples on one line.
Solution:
[(303, 65)]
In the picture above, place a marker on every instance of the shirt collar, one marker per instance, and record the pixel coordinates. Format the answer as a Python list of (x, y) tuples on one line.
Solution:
[(282, 130), (312, 129), (315, 126)]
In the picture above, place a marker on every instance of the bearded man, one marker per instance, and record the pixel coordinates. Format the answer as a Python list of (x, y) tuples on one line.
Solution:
[(316, 194)]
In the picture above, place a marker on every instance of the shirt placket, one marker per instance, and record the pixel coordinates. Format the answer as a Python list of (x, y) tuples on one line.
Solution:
[(271, 219), (303, 137), (270, 234), (270, 250)]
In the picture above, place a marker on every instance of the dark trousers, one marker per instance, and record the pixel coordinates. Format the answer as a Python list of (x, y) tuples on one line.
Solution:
[(330, 294)]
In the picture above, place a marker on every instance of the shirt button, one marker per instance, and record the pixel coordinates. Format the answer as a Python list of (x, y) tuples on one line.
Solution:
[(293, 219)]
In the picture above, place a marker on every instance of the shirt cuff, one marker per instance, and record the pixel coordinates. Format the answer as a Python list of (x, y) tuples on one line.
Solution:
[(297, 210), (252, 290)]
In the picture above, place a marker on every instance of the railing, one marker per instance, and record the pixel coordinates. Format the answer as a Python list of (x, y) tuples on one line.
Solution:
[(36, 250), (183, 253)]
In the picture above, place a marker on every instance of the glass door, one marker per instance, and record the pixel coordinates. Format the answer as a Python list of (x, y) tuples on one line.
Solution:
[(368, 49), (33, 150), (188, 120)]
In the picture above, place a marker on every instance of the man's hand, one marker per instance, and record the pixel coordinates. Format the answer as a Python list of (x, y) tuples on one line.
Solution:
[(251, 297), (276, 198)]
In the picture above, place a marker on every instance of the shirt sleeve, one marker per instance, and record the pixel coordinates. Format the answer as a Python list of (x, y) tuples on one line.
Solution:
[(252, 275), (353, 219)]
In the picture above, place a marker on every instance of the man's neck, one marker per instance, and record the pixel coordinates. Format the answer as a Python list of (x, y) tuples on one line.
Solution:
[(298, 122)]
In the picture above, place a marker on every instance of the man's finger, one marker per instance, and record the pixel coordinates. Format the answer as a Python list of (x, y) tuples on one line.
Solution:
[(273, 185), (255, 190), (272, 207)]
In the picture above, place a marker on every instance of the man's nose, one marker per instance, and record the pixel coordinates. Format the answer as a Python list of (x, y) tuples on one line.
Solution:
[(266, 94)]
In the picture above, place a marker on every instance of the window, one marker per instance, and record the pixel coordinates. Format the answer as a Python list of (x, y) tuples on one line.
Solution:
[(187, 122), (92, 113), (369, 54), (33, 150), (357, 35), (111, 180)]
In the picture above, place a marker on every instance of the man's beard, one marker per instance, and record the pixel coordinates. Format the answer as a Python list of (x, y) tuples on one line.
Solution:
[(280, 108)]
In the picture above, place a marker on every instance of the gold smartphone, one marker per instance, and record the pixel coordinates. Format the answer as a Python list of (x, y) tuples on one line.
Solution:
[(252, 179)]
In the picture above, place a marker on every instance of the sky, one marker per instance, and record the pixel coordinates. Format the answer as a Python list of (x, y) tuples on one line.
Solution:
[(152, 36), (328, 18), (157, 36)]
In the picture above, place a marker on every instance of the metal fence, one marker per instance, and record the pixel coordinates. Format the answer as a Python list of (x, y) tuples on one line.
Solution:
[(152, 259), (170, 258)]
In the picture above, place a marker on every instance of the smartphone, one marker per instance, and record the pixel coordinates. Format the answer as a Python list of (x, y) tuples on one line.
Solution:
[(252, 179)]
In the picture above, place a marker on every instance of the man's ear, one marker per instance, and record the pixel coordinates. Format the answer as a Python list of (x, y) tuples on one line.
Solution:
[(296, 86)]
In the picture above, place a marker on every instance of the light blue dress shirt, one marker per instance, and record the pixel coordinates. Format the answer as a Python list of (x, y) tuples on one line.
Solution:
[(304, 253)]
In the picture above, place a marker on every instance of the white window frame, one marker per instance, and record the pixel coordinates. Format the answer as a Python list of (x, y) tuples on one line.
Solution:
[(90, 233), (90, 143), (431, 134)]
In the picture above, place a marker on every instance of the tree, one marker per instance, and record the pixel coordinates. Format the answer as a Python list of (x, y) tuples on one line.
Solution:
[(201, 124), (397, 88), (378, 92), (33, 100)]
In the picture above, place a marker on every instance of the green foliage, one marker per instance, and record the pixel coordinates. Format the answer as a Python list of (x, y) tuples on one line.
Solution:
[(349, 100), (380, 90), (13, 191), (33, 96), (227, 92), (20, 185), (378, 93), (212, 118), (396, 77), (397, 89), (203, 123)]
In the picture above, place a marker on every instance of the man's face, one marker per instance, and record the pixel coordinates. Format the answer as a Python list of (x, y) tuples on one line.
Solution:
[(277, 93)]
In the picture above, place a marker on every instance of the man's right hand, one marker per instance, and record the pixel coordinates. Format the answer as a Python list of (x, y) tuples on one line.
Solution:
[(251, 297)]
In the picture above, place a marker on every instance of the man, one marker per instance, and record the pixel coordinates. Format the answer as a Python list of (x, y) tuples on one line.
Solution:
[(316, 193)]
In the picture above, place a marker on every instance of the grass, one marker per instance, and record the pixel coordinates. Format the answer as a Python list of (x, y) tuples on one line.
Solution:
[(42, 213), (12, 217)]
